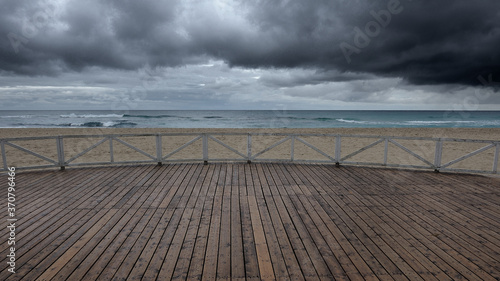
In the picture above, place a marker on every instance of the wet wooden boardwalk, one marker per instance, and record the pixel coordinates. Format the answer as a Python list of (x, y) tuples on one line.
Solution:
[(254, 221)]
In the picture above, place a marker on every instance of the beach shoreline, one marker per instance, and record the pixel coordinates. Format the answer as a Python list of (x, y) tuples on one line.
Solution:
[(462, 133)]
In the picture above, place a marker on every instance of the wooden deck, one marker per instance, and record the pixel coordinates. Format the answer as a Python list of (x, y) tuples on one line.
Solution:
[(254, 221)]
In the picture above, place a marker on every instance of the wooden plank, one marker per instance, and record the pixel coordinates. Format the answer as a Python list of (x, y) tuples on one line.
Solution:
[(198, 257), (386, 257), (389, 258), (164, 185), (390, 234), (456, 222), (395, 242), (148, 190), (312, 221), (264, 259), (422, 247), (84, 244), (36, 221), (95, 196), (42, 199), (357, 238), (466, 220), (34, 256), (50, 265), (116, 249), (136, 214), (135, 267), (186, 254), (264, 202), (465, 255), (212, 252), (130, 195), (335, 242), (448, 263), (441, 245), (255, 222), (165, 234), (237, 258), (224, 258), (138, 249), (178, 241), (92, 251), (297, 243), (51, 238), (275, 208), (249, 248), (470, 206), (136, 239), (318, 264), (27, 180)]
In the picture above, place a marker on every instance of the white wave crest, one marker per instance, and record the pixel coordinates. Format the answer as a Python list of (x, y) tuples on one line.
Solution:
[(18, 116), (351, 121), (72, 115), (438, 122)]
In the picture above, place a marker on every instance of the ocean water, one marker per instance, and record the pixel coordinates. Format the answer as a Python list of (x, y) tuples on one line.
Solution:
[(248, 119)]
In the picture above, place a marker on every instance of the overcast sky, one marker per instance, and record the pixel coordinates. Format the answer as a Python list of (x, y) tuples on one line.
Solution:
[(258, 54)]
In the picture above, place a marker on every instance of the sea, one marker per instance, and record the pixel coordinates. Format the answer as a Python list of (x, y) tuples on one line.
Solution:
[(247, 119)]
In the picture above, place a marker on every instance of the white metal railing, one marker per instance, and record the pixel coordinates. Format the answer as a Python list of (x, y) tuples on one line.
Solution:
[(249, 156)]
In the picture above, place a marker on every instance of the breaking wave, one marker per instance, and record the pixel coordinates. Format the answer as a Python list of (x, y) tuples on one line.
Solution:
[(72, 115)]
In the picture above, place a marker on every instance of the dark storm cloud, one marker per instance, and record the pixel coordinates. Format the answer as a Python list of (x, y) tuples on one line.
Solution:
[(424, 42), (290, 78)]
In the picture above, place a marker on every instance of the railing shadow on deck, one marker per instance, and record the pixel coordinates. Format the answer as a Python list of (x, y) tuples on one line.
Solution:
[(334, 141)]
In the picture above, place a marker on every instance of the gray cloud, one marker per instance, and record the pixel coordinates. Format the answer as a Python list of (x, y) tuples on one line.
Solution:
[(214, 85), (426, 42), (248, 54)]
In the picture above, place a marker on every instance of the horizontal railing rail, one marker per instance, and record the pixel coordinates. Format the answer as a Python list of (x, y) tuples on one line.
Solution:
[(250, 155)]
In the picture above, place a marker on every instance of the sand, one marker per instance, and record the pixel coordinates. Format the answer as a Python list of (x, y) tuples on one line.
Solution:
[(425, 149)]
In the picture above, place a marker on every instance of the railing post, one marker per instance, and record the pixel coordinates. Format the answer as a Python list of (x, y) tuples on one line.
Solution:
[(4, 155), (60, 152), (249, 148), (495, 160), (159, 157), (338, 146), (111, 151), (438, 154), (292, 148), (205, 148), (386, 148)]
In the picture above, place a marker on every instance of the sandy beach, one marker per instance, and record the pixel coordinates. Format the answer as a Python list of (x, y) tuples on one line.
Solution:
[(396, 155)]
